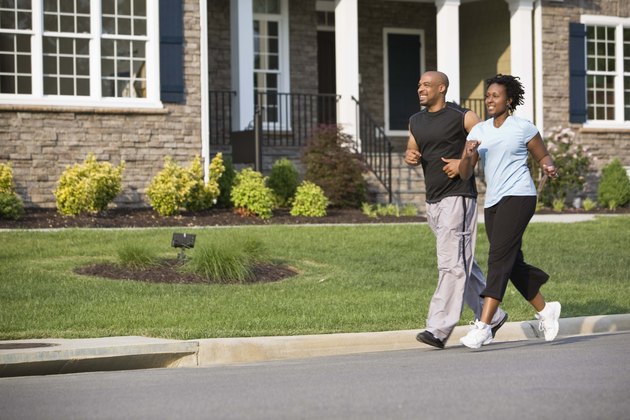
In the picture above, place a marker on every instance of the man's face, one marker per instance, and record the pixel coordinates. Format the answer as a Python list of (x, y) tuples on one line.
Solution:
[(429, 89)]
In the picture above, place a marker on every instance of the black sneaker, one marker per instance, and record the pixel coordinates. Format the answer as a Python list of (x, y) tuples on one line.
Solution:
[(499, 325), (427, 338)]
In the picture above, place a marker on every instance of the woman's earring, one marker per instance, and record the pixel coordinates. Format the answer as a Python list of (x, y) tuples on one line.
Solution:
[(510, 109)]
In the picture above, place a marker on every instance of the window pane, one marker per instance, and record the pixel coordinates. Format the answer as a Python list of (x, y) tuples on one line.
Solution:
[(108, 7), (124, 7), (66, 45), (124, 26), (107, 48), (66, 65), (139, 49), (83, 6), (109, 25), (108, 67), (139, 8), (83, 66), (50, 86), (107, 87), (50, 23), (23, 43), (66, 6), (50, 65), (7, 20), (23, 64), (66, 24), (83, 87), (7, 84), (66, 86), (7, 63), (83, 25), (24, 20), (139, 27), (24, 85), (50, 5)]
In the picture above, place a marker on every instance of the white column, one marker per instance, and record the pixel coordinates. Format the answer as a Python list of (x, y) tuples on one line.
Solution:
[(347, 63), (203, 69), (447, 25), (521, 52), (242, 37), (538, 68)]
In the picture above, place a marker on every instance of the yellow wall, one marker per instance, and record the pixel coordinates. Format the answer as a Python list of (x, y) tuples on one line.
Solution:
[(484, 44)]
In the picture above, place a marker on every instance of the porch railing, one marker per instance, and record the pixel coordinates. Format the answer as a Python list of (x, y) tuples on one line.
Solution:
[(376, 149), (288, 119), (477, 105), (220, 116)]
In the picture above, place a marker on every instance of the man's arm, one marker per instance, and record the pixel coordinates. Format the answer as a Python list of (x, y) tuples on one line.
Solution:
[(412, 155), (453, 167)]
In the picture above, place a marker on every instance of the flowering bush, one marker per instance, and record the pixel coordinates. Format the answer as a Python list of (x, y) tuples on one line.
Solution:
[(572, 162)]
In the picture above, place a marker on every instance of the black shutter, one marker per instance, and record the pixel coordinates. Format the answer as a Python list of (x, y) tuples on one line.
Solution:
[(171, 51), (577, 72)]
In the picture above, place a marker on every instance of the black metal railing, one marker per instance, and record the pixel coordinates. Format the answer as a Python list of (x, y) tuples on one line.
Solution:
[(288, 119), (477, 105), (376, 149), (220, 116)]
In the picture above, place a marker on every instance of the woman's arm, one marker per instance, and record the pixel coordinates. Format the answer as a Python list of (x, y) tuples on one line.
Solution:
[(537, 148)]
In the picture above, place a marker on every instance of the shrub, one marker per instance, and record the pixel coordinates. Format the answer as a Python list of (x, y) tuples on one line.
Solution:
[(558, 204), (409, 210), (589, 204), (309, 201), (11, 206), (572, 162), (88, 187), (225, 184), (614, 186), (250, 195), (226, 262), (368, 209), (331, 164), (175, 188), (283, 181)]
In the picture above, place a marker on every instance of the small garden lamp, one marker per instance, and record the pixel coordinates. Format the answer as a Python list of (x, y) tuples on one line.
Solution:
[(183, 241)]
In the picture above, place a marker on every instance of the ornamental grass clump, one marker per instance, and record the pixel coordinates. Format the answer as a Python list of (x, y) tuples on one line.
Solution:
[(135, 256), (88, 187), (614, 187), (175, 188), (230, 261), (309, 200), (11, 206), (250, 195)]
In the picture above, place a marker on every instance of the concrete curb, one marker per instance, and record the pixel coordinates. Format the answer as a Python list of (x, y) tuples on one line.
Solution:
[(54, 356)]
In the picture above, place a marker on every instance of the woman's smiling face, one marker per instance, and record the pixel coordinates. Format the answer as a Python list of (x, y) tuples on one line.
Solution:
[(497, 100)]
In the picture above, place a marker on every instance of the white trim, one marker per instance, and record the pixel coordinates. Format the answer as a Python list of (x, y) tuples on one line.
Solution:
[(606, 124), (604, 20), (205, 86), (95, 99), (539, 112), (403, 31)]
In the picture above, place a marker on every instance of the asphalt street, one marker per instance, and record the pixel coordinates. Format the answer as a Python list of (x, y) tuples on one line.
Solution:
[(579, 377)]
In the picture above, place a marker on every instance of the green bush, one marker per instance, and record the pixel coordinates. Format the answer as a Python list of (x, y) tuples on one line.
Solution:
[(283, 181), (230, 261), (331, 164), (572, 162), (11, 206), (589, 204), (250, 195), (309, 201), (88, 187), (614, 186), (175, 188), (225, 184)]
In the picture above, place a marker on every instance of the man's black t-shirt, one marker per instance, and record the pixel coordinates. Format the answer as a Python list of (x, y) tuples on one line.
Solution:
[(441, 134)]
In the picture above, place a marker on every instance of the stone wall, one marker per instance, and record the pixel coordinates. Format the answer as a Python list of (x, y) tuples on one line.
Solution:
[(41, 141), (604, 144)]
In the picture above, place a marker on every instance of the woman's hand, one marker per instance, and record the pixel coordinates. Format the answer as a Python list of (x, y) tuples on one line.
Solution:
[(550, 171)]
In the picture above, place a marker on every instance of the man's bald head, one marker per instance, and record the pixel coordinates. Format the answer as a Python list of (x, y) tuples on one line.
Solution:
[(439, 77)]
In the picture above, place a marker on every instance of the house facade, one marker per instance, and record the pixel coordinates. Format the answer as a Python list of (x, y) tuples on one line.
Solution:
[(140, 80)]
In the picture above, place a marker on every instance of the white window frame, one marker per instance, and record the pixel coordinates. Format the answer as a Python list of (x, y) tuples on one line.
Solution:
[(95, 99), (400, 31), (619, 23), (284, 82)]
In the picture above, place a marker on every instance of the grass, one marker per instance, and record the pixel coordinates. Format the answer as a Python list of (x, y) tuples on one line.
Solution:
[(352, 278)]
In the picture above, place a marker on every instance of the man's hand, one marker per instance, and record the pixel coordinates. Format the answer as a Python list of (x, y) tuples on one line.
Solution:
[(412, 157), (451, 169)]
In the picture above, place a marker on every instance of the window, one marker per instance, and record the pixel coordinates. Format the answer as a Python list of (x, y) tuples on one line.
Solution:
[(79, 52), (270, 58), (607, 70)]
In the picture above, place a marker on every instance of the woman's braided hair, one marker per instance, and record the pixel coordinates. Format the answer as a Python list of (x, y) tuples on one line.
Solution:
[(513, 88)]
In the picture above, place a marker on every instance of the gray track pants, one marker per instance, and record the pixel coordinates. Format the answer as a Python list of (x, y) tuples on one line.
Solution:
[(453, 220)]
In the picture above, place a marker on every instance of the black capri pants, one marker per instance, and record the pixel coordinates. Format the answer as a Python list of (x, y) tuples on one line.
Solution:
[(505, 225)]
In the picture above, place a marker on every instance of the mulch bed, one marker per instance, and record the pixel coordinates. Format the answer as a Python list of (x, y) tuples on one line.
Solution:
[(138, 218)]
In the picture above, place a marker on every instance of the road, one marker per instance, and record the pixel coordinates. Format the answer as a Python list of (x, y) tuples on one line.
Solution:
[(581, 377)]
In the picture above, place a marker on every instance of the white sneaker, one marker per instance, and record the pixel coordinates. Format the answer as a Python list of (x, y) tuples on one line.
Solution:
[(479, 335), (548, 320)]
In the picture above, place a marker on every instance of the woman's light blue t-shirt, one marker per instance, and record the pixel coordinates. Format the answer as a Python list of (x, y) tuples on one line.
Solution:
[(503, 155)]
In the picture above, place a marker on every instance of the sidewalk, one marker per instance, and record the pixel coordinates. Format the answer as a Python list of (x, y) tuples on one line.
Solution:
[(57, 356)]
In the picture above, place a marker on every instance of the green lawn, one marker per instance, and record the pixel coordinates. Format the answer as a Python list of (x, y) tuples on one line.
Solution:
[(352, 278)]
